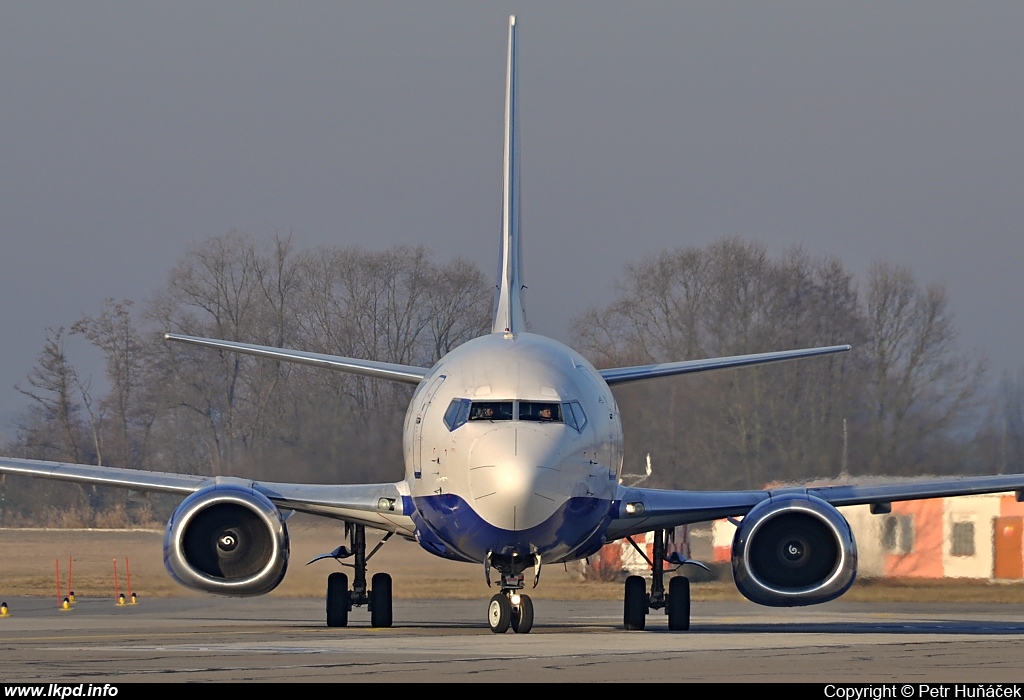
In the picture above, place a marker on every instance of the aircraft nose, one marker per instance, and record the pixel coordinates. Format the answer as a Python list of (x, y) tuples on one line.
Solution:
[(508, 474)]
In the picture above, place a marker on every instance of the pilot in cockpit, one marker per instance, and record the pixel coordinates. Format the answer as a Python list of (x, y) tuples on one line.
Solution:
[(483, 412)]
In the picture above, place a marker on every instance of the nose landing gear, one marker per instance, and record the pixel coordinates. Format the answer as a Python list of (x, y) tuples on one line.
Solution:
[(510, 608)]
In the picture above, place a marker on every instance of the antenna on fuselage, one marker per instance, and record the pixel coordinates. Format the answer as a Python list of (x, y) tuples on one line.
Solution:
[(508, 311)]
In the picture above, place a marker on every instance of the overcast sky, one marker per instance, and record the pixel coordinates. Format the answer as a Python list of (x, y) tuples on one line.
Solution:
[(868, 130)]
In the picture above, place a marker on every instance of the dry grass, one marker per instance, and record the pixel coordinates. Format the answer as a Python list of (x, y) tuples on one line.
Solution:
[(27, 567), (936, 591)]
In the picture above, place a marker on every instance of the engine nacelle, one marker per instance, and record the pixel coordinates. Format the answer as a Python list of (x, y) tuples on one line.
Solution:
[(227, 539), (793, 549)]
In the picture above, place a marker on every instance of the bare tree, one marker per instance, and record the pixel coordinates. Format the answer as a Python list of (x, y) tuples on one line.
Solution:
[(395, 305), (459, 306), (54, 430), (128, 360), (215, 290), (906, 393), (1011, 408), (919, 386)]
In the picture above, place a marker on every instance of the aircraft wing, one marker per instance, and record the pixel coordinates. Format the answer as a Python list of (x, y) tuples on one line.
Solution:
[(620, 375), (643, 510), (376, 505), (367, 368), (136, 479)]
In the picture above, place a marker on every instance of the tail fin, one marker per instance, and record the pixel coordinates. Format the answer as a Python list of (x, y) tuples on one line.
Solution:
[(509, 316)]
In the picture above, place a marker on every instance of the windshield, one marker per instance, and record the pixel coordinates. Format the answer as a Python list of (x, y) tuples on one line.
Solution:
[(491, 410), (542, 411)]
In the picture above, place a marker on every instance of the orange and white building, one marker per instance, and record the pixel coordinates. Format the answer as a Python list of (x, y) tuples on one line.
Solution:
[(978, 537)]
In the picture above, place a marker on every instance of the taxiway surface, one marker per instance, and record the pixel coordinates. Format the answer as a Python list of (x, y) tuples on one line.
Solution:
[(285, 640)]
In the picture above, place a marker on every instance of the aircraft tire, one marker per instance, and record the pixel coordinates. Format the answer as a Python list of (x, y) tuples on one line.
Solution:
[(499, 613), (337, 600), (634, 614), (380, 600), (522, 617), (679, 604)]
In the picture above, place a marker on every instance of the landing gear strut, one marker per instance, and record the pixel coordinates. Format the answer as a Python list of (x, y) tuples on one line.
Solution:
[(637, 602), (341, 600)]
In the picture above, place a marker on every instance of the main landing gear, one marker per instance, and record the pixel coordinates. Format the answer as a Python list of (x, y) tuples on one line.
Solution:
[(341, 599), (510, 608), (637, 602)]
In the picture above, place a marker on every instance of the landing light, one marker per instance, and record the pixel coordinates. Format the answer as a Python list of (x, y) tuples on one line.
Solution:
[(386, 504), (515, 599), (634, 509)]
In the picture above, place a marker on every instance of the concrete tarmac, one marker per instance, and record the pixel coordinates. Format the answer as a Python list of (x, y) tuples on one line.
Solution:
[(285, 640)]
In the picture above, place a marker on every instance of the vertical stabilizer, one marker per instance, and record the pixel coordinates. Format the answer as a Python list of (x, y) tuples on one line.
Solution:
[(508, 313)]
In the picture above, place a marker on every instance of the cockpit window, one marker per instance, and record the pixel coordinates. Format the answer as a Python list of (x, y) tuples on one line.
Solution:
[(457, 413), (574, 416), (491, 410), (460, 411), (541, 411)]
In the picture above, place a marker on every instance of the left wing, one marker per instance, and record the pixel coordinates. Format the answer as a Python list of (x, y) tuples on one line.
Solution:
[(643, 510), (621, 375), (381, 506)]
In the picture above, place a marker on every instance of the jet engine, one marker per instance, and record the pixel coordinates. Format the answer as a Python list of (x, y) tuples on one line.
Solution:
[(793, 549), (227, 539)]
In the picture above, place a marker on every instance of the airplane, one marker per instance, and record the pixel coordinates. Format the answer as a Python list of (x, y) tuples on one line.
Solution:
[(513, 450)]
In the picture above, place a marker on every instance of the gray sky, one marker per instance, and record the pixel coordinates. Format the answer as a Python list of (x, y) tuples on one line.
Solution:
[(869, 130)]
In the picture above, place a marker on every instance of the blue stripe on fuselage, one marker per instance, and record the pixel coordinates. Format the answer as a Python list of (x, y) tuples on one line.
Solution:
[(575, 530)]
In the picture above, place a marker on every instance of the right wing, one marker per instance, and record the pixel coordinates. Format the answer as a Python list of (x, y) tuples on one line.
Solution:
[(367, 368), (382, 506), (385, 506)]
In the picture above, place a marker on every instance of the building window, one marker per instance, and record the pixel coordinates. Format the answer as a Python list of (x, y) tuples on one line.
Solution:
[(962, 544), (898, 534)]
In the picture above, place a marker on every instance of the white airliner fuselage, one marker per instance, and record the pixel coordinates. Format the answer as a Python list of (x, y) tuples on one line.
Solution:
[(512, 483)]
